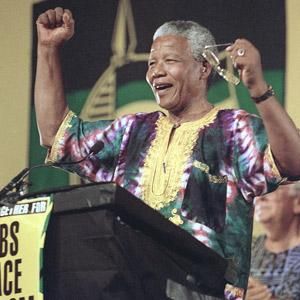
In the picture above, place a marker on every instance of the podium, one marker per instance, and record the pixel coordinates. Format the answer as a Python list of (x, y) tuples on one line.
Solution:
[(104, 243)]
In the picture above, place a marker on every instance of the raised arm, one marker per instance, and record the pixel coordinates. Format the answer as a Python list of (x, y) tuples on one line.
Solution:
[(54, 27), (282, 132)]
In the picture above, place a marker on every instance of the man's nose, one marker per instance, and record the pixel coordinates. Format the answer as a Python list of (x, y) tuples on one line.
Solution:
[(158, 70)]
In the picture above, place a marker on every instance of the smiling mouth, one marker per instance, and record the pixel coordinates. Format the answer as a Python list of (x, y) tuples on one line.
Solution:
[(162, 86)]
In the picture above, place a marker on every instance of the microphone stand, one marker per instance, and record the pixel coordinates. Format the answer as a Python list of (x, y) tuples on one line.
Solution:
[(10, 198)]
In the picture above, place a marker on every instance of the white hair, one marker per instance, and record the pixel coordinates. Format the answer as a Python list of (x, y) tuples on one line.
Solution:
[(197, 36)]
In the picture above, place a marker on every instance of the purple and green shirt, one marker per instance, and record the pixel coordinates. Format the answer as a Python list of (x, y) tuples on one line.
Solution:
[(201, 175)]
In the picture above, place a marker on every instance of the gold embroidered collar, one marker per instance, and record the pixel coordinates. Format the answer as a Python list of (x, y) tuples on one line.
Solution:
[(168, 159)]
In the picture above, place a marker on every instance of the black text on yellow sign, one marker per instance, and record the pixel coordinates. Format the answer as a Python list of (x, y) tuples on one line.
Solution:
[(10, 270), (13, 260)]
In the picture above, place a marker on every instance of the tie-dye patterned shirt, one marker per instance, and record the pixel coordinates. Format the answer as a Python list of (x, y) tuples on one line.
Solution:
[(201, 175)]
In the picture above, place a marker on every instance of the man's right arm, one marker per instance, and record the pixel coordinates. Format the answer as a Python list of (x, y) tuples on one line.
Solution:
[(54, 27)]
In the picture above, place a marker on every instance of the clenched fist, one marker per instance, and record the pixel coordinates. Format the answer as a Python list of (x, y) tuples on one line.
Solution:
[(54, 27)]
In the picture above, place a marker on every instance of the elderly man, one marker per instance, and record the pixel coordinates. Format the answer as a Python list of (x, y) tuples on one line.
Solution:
[(200, 166)]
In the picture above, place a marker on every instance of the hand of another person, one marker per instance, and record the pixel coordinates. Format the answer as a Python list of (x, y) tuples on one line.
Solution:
[(247, 60), (54, 27), (257, 290)]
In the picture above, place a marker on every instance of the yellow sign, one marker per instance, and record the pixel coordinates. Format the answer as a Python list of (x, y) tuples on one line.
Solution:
[(22, 235)]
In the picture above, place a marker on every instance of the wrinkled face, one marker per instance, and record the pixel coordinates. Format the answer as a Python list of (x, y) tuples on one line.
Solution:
[(173, 73), (276, 207)]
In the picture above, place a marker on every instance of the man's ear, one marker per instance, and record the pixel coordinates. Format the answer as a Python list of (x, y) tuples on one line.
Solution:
[(206, 69)]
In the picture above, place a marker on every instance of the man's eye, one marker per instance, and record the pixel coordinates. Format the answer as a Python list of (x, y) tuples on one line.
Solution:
[(171, 60), (151, 63)]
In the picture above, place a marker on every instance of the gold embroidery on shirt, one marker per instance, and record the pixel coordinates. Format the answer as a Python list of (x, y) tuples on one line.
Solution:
[(217, 179), (270, 159), (166, 160), (52, 154), (200, 165), (205, 168), (176, 218)]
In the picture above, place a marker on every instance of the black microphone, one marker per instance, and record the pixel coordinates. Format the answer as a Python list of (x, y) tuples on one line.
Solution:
[(95, 149), (14, 182), (17, 180)]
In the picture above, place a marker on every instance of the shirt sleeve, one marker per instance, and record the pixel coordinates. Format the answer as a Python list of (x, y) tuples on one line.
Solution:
[(256, 170), (75, 138)]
